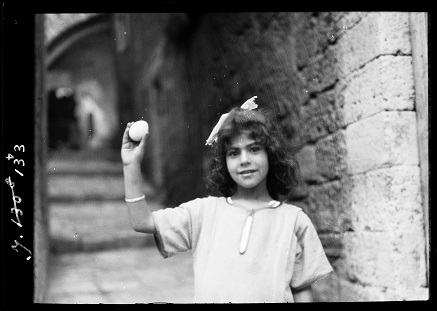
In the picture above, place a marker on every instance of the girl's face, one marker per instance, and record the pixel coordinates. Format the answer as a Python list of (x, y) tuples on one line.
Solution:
[(247, 162)]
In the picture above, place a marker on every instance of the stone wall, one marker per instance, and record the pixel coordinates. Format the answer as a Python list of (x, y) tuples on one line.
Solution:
[(359, 153)]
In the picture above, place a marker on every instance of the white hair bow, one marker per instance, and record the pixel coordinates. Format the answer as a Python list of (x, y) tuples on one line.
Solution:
[(248, 104)]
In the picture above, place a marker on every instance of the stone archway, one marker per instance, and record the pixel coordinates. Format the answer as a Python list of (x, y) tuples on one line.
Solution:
[(81, 57)]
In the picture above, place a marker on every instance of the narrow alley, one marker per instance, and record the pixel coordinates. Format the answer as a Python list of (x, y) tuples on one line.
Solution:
[(96, 256), (348, 91)]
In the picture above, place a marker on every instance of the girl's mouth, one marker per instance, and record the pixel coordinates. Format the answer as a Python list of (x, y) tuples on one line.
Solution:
[(247, 172)]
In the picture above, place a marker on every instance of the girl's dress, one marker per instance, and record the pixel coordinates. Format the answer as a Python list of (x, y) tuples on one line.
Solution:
[(283, 251)]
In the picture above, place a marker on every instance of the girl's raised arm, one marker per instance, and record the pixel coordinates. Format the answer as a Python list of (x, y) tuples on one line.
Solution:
[(132, 154)]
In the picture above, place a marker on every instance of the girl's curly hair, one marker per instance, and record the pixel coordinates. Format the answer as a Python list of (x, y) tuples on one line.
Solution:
[(261, 127)]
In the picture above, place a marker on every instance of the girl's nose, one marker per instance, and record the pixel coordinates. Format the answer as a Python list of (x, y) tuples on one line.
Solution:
[(244, 157)]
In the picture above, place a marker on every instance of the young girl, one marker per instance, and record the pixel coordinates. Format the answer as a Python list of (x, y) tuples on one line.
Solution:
[(247, 246)]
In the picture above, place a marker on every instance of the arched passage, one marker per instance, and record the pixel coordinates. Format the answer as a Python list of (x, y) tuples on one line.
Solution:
[(82, 59)]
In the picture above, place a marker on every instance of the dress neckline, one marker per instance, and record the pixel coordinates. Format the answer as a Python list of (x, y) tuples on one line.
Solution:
[(271, 204), (247, 227)]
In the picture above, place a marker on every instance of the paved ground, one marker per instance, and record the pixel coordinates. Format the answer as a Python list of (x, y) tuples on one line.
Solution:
[(122, 276), (94, 226), (96, 256)]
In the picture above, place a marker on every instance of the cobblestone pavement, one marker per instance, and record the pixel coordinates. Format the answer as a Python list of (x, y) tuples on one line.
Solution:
[(121, 276)]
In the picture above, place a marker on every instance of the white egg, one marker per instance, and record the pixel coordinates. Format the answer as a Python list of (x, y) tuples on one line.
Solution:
[(138, 130)]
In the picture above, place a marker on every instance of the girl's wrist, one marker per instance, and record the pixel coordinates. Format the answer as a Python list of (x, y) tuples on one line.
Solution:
[(132, 166), (132, 175)]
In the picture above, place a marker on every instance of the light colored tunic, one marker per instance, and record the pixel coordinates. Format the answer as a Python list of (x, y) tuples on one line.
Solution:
[(283, 253)]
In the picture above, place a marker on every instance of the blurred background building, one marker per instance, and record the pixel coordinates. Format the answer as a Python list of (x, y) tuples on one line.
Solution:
[(350, 90)]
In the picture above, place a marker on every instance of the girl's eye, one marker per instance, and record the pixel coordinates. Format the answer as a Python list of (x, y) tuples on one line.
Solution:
[(255, 149), (232, 153)]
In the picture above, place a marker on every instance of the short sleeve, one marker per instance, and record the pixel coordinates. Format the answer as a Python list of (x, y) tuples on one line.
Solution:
[(174, 228), (311, 263)]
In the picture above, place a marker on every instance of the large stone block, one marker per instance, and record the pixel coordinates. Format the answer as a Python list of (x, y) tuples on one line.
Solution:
[(379, 33), (327, 205), (387, 200), (327, 289), (348, 20), (346, 50), (382, 140), (320, 117), (314, 33), (386, 83), (298, 192), (332, 243), (352, 292), (335, 289), (383, 259), (331, 156), (290, 127), (306, 157), (417, 293), (322, 71)]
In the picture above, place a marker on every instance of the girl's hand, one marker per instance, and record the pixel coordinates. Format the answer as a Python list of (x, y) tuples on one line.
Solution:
[(132, 152)]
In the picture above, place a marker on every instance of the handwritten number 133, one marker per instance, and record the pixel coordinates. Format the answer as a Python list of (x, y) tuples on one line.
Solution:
[(16, 161)]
